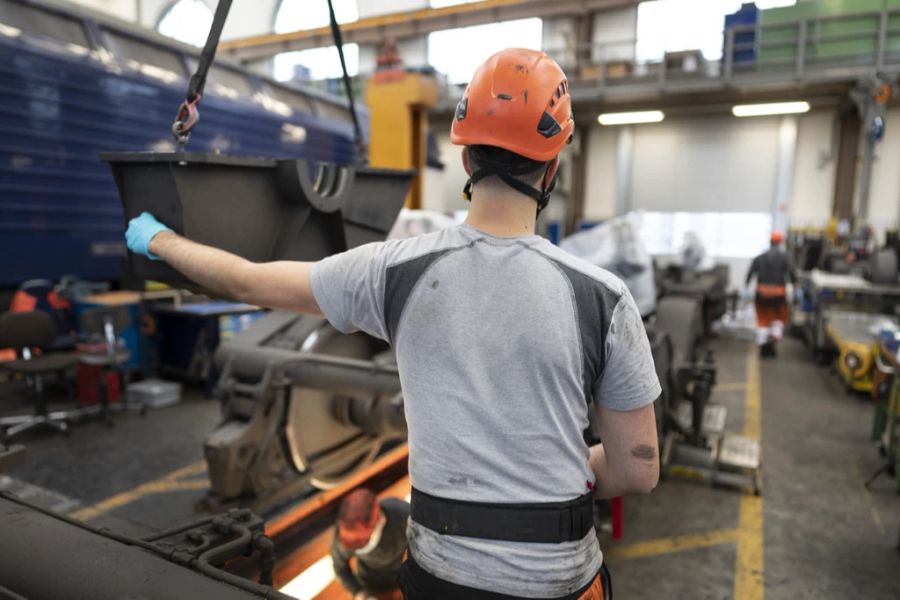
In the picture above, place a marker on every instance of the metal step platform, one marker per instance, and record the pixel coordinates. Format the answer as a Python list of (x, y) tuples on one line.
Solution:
[(726, 458), (713, 418)]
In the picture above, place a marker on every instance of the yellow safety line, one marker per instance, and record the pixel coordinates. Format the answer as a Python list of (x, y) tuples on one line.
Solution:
[(876, 517), (170, 482), (731, 386), (749, 576), (678, 543)]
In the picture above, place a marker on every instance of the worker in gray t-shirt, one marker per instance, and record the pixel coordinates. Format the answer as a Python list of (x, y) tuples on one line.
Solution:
[(504, 344)]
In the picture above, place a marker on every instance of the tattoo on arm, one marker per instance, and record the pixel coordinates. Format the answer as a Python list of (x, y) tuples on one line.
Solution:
[(644, 452)]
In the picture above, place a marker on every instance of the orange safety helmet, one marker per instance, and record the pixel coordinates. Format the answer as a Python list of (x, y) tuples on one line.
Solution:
[(518, 100), (357, 518), (777, 237)]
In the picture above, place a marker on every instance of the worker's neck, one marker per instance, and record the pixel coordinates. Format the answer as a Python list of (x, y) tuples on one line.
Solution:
[(502, 213)]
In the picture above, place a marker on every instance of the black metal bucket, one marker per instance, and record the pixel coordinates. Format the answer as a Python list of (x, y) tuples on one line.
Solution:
[(259, 208)]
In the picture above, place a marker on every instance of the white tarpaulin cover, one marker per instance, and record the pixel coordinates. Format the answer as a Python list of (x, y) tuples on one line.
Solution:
[(615, 246)]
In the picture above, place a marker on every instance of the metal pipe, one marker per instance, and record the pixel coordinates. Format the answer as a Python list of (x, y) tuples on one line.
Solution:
[(175, 530), (320, 371)]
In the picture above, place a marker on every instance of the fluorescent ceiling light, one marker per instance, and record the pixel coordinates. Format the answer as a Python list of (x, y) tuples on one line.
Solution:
[(772, 108), (626, 118)]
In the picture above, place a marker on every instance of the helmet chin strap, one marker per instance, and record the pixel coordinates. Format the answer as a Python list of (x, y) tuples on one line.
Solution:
[(542, 196)]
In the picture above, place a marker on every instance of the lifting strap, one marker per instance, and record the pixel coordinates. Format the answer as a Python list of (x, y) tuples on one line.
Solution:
[(188, 115), (348, 88), (550, 522)]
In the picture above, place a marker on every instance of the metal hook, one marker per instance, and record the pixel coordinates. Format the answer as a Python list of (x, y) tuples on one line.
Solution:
[(186, 120)]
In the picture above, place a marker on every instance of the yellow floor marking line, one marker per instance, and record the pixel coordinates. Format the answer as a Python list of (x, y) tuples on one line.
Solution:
[(749, 575), (173, 481), (731, 386), (876, 517), (677, 543)]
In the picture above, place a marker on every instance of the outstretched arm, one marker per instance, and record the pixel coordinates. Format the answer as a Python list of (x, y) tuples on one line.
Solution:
[(281, 284), (627, 462)]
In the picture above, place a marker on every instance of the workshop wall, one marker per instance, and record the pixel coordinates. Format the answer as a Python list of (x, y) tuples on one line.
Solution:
[(814, 169), (884, 201), (709, 164), (600, 184)]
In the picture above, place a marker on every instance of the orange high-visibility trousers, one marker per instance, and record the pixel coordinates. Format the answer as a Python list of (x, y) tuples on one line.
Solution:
[(594, 591)]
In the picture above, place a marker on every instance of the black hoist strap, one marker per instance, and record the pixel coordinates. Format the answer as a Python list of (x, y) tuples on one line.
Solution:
[(551, 523), (198, 79), (188, 114), (348, 87)]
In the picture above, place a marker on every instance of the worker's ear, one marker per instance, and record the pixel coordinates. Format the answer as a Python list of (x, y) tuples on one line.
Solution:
[(465, 160), (550, 173)]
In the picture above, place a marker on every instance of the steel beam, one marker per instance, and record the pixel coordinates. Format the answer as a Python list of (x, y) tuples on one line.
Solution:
[(374, 30)]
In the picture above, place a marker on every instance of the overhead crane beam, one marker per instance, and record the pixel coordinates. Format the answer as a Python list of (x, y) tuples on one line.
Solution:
[(405, 24)]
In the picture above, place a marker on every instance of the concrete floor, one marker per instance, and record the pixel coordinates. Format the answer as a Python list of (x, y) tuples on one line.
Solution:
[(94, 463), (822, 534)]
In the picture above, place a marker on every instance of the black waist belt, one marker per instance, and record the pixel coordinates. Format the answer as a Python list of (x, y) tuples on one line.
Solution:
[(551, 523)]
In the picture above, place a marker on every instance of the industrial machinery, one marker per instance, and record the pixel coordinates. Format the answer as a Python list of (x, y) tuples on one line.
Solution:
[(692, 429), (826, 294), (886, 424), (304, 405), (708, 286), (854, 336), (400, 98), (88, 562)]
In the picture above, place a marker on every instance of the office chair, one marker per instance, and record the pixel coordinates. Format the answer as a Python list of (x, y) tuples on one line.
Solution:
[(28, 332)]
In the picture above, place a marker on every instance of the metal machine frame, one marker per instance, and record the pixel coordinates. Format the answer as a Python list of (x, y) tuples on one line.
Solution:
[(304, 407), (693, 436)]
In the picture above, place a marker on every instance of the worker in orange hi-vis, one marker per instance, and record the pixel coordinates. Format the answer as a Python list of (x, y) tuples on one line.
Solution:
[(773, 272), (370, 545)]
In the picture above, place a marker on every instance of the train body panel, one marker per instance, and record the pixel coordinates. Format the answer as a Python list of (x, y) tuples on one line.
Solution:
[(65, 100)]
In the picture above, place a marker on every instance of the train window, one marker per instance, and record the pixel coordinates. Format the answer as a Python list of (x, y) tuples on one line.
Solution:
[(331, 110), (237, 82), (32, 19), (126, 47), (292, 98), (187, 21)]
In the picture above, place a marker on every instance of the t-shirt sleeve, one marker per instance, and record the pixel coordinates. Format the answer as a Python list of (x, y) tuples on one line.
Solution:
[(349, 288), (628, 380)]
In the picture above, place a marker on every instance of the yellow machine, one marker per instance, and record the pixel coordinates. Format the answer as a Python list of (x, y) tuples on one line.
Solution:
[(856, 346), (398, 101), (855, 361)]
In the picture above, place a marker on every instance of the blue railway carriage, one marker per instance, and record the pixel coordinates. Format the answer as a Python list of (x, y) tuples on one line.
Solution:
[(74, 83)]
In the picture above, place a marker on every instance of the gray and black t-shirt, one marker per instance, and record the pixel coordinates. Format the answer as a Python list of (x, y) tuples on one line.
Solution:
[(501, 343)]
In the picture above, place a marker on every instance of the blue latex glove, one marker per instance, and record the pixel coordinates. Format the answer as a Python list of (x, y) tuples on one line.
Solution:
[(141, 230)]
